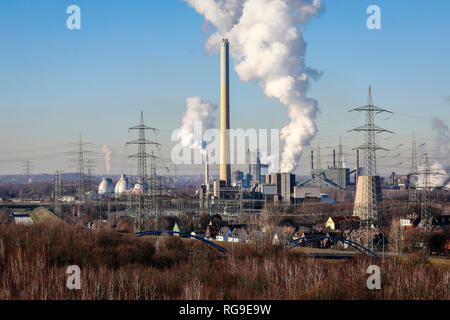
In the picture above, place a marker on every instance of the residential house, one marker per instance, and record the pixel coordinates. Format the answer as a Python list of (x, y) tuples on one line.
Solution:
[(238, 235), (223, 234)]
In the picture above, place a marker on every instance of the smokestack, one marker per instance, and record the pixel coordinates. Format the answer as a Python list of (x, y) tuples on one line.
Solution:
[(357, 166), (312, 159), (225, 170), (334, 159)]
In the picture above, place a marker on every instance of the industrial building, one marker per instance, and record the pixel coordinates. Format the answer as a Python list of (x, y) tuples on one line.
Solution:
[(122, 185), (106, 187)]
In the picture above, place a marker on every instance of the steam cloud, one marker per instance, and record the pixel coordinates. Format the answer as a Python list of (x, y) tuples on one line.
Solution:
[(442, 154), (268, 47), (107, 153), (197, 111)]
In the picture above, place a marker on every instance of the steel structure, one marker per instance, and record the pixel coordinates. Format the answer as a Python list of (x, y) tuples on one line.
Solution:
[(57, 192), (27, 166), (413, 178), (425, 207), (140, 202), (369, 213), (370, 130), (80, 160), (90, 171), (303, 240)]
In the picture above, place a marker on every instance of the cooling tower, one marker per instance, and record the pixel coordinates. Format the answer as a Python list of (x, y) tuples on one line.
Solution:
[(368, 194), (225, 169)]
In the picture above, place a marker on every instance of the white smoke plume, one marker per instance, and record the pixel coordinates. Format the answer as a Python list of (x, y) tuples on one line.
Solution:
[(107, 153), (197, 112), (441, 155), (268, 47)]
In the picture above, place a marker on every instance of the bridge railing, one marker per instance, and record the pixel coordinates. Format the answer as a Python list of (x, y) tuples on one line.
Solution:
[(160, 232), (303, 240)]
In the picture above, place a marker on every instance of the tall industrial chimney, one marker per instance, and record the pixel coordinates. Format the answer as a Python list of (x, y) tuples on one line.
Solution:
[(225, 170), (334, 159)]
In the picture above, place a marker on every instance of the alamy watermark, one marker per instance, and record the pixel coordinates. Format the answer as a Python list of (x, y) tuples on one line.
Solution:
[(374, 281), (74, 20), (194, 147), (374, 20), (74, 279)]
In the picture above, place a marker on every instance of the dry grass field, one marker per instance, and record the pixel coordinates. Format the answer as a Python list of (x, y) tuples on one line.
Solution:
[(33, 263)]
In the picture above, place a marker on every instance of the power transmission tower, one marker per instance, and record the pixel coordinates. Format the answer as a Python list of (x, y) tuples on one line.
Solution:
[(413, 178), (27, 166), (425, 208), (370, 129), (80, 161), (367, 207), (141, 187), (90, 171), (58, 192)]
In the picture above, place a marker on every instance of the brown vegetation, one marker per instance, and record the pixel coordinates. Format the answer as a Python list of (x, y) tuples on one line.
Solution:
[(33, 262)]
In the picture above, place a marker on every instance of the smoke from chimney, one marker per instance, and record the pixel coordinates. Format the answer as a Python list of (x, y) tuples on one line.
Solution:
[(197, 111), (442, 154), (267, 46), (107, 153)]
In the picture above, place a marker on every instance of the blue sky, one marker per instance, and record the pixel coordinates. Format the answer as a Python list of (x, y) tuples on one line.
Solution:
[(149, 55)]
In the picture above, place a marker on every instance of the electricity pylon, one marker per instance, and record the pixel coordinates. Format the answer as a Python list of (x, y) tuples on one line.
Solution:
[(425, 208), (413, 178), (370, 130), (141, 186), (367, 208), (27, 166), (80, 161), (58, 192)]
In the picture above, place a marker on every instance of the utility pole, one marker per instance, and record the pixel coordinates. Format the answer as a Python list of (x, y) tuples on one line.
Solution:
[(367, 208), (142, 180)]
